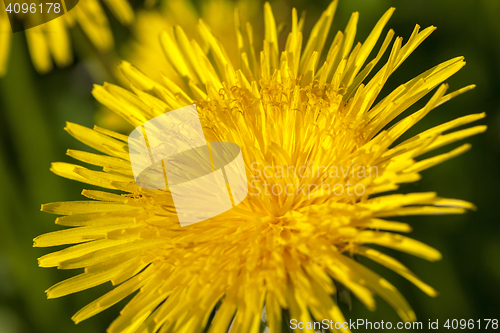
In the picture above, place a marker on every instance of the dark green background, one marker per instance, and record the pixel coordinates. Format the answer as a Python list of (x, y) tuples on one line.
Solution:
[(34, 108)]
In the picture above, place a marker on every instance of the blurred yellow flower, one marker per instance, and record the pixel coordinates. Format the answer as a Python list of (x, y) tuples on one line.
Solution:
[(144, 51), (50, 42), (302, 124), (147, 54)]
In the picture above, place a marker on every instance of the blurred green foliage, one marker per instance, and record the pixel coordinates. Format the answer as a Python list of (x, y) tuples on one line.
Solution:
[(34, 108)]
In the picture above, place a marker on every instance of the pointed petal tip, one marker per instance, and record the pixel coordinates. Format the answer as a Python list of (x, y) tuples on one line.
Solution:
[(372, 306), (35, 241), (435, 255), (412, 316), (332, 6), (76, 319), (389, 12)]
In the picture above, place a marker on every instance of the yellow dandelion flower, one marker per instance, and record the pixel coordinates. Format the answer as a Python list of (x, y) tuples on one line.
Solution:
[(302, 123), (50, 42)]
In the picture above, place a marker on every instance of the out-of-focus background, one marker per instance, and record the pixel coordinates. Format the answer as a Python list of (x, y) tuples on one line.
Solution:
[(34, 109)]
